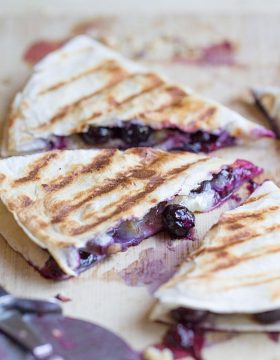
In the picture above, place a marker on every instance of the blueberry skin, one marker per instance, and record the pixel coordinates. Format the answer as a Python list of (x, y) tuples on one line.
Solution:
[(178, 337), (268, 317), (86, 259), (97, 135), (178, 220), (134, 134)]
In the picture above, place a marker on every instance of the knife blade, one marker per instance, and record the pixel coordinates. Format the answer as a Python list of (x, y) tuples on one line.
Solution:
[(50, 306)]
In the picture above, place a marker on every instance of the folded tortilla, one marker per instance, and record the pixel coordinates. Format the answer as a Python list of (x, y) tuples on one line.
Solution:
[(235, 275), (76, 202), (85, 84)]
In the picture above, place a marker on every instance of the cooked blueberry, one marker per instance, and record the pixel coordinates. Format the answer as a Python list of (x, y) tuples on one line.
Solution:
[(179, 336), (268, 317), (51, 270), (134, 134), (97, 135), (178, 220), (86, 258), (200, 137), (223, 182), (192, 147), (252, 186), (188, 316), (57, 143)]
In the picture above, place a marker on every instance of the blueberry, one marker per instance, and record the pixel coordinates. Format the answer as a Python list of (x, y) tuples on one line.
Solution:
[(86, 258), (178, 220), (223, 182), (134, 134), (205, 186), (268, 317), (192, 147), (97, 135), (179, 336), (201, 137), (188, 316)]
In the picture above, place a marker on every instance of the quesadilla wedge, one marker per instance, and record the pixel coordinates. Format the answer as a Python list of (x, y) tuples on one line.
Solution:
[(231, 283), (86, 95), (80, 206), (267, 99), (225, 301)]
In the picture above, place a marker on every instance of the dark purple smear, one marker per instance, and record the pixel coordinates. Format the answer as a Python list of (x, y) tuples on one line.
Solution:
[(156, 265), (40, 48), (71, 340), (183, 342), (57, 143), (222, 53)]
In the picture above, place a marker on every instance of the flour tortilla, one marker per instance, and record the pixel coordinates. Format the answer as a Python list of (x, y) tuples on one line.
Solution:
[(64, 199), (86, 84), (235, 273)]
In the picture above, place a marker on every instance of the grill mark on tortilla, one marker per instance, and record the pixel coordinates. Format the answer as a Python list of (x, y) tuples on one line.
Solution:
[(223, 254), (35, 170), (206, 114), (257, 214), (243, 234), (180, 111), (120, 179), (119, 76), (117, 105), (230, 260), (252, 199), (252, 283), (122, 76), (111, 65), (129, 201), (99, 163), (231, 241), (128, 100)]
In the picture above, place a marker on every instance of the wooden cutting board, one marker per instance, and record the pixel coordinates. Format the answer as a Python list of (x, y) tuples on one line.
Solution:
[(117, 293)]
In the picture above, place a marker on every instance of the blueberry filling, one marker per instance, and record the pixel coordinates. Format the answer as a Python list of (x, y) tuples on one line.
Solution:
[(229, 179), (165, 139), (183, 341), (188, 317), (268, 317), (179, 336), (192, 318), (97, 135), (51, 269), (187, 336), (176, 219), (135, 134), (57, 143), (87, 259)]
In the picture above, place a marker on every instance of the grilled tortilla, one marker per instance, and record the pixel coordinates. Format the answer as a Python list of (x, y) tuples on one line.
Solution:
[(234, 277), (85, 85), (82, 205)]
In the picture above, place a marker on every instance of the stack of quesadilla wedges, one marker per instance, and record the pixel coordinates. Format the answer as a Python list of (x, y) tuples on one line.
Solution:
[(228, 293)]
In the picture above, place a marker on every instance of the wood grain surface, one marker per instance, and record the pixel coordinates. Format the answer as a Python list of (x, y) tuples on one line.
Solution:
[(102, 294)]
